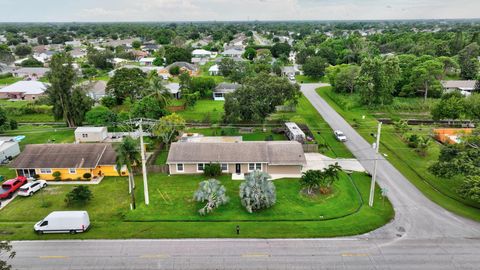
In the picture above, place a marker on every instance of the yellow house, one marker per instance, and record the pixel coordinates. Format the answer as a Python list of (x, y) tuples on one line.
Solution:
[(72, 161)]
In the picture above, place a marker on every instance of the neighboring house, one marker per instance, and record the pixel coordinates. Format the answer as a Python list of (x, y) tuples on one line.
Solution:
[(32, 73), (121, 42), (289, 71), (90, 134), (285, 158), (24, 90), (118, 61), (44, 56), (73, 43), (199, 61), (147, 61), (9, 148), (184, 67), (140, 54), (294, 133), (150, 47), (451, 135), (78, 53), (214, 70), (201, 53), (233, 53), (174, 89), (466, 87), (20, 61), (71, 160), (224, 88), (96, 89)]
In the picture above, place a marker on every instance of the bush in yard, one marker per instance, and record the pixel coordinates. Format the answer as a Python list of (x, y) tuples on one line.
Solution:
[(13, 124), (213, 193), (36, 176), (80, 195), (257, 192), (212, 170), (175, 70), (57, 175), (87, 176), (470, 189)]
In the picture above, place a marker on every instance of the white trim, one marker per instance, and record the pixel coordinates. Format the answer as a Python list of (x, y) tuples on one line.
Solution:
[(45, 171), (255, 167), (70, 171), (226, 170), (183, 167), (203, 167)]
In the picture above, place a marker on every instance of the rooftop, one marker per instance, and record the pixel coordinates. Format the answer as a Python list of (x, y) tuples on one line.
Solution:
[(25, 87)]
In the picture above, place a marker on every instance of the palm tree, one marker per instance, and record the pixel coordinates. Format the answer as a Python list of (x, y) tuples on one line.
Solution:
[(128, 155), (331, 173), (158, 90)]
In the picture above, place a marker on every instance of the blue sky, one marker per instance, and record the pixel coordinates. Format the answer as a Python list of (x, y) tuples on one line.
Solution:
[(194, 10)]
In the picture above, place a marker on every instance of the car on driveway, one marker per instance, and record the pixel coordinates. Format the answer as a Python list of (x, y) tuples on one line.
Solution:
[(32, 187), (10, 186), (340, 136)]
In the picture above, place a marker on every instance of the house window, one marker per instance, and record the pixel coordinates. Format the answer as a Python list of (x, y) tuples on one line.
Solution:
[(84, 135), (180, 167), (45, 171), (200, 167), (72, 171), (218, 95), (254, 166), (224, 167)]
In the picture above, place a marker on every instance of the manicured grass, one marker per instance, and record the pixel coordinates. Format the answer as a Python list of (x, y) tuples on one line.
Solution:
[(206, 110), (15, 110), (407, 161), (257, 135), (323, 134), (42, 134), (308, 79), (9, 80), (171, 200)]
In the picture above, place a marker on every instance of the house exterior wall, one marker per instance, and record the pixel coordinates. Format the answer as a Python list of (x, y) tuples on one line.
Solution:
[(192, 168), (65, 175)]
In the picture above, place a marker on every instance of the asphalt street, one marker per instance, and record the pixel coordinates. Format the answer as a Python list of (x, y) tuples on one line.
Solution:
[(422, 236)]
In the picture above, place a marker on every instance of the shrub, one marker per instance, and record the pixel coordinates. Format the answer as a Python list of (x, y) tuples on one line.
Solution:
[(80, 195), (211, 192), (87, 176), (13, 124), (57, 175), (212, 170), (175, 70), (257, 192), (36, 176)]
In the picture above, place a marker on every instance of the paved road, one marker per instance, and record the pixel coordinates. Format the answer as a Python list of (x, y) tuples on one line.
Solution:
[(422, 236)]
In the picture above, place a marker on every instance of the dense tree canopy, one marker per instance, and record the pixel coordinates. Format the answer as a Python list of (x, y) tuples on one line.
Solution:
[(127, 82)]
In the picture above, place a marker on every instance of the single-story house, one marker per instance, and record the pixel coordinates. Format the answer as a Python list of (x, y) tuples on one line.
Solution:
[(289, 71), (9, 148), (150, 47), (285, 158), (140, 54), (73, 43), (24, 90), (184, 67), (44, 56), (30, 72), (121, 42), (78, 53), (466, 87), (199, 61), (96, 89), (147, 61), (224, 88), (201, 53), (174, 89), (90, 134), (233, 53), (71, 160), (214, 70)]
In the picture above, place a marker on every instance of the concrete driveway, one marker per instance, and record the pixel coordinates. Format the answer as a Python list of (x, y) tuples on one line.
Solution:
[(316, 161)]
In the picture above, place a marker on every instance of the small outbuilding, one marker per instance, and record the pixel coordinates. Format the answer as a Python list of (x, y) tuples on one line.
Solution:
[(9, 148), (90, 134), (294, 133)]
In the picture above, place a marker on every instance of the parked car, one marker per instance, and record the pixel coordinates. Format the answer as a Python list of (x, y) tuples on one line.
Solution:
[(340, 136), (63, 222), (10, 186), (29, 188)]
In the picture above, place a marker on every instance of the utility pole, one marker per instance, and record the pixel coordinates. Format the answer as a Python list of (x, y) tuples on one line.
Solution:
[(144, 166), (374, 176)]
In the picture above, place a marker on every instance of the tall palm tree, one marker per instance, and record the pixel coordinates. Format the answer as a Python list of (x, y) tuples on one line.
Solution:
[(128, 155), (158, 90)]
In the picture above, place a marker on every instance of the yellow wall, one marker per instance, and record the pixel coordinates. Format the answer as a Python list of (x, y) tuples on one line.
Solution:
[(65, 174)]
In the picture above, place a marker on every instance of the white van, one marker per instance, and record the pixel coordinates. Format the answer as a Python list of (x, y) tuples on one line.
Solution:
[(63, 222)]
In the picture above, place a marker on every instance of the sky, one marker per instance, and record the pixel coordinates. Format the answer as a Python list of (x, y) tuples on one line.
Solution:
[(232, 10)]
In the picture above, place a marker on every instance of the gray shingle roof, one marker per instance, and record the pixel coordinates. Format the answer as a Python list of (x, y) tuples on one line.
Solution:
[(226, 87), (274, 153), (65, 156)]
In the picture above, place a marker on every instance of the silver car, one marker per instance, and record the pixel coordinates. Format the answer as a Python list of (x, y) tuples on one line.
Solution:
[(340, 136)]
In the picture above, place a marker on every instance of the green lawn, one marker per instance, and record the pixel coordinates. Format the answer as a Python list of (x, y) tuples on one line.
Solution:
[(9, 80), (205, 110), (257, 135), (42, 134), (307, 79), (16, 110), (406, 160), (173, 214), (307, 114)]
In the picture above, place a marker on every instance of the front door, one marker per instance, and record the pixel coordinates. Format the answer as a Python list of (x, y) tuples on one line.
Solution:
[(238, 168)]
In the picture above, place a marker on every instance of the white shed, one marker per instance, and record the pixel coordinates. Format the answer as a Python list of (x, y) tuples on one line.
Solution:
[(294, 133), (90, 134)]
